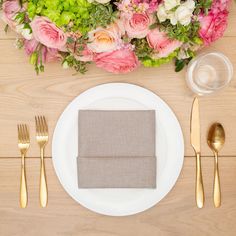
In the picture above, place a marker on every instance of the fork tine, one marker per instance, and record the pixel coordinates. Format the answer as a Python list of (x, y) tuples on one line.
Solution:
[(27, 133), (42, 126), (37, 125), (45, 125), (24, 133), (19, 133)]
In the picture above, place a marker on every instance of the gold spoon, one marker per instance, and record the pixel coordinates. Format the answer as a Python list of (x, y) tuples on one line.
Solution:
[(216, 140)]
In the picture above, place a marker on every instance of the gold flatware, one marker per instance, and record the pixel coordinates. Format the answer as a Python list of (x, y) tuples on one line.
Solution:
[(216, 140), (42, 139), (23, 144), (195, 141)]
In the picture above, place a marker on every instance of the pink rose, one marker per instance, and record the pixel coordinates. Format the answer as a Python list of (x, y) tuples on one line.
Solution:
[(47, 33), (213, 26), (120, 61), (161, 43), (9, 11), (137, 25)]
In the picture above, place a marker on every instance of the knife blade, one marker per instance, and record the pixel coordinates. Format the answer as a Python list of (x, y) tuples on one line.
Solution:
[(195, 127), (196, 144)]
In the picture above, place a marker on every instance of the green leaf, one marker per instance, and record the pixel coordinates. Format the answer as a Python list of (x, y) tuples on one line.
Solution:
[(6, 28), (179, 65)]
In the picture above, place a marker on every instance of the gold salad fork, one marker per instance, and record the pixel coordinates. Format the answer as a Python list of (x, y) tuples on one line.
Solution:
[(42, 139), (23, 144)]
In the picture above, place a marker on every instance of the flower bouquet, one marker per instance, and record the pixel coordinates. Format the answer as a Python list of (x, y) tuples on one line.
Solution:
[(117, 35)]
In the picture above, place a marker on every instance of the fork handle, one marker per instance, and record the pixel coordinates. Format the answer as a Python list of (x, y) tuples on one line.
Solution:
[(43, 182), (23, 186)]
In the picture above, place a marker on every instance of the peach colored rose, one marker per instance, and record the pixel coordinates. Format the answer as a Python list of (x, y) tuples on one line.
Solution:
[(104, 40), (120, 61), (48, 33), (161, 43), (9, 11), (137, 25)]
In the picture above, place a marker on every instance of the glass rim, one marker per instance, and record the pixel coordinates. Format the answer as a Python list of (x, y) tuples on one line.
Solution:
[(220, 55)]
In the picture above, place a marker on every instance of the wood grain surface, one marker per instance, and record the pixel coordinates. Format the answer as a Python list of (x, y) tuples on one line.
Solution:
[(24, 95)]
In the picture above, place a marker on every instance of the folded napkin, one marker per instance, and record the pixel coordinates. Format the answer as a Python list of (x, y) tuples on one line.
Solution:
[(116, 149)]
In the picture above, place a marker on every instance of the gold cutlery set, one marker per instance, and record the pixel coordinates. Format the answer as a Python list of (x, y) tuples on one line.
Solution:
[(24, 144), (215, 140)]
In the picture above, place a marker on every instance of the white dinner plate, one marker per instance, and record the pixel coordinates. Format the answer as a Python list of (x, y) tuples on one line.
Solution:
[(169, 149)]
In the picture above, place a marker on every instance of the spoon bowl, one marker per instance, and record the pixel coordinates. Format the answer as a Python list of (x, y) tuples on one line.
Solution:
[(216, 137)]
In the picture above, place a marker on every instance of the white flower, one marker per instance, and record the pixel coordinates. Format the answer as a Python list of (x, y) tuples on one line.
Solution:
[(190, 4), (170, 4), (99, 1), (183, 15), (161, 13), (24, 31)]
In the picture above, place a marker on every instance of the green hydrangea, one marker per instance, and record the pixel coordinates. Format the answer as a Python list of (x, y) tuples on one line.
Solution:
[(72, 14), (150, 62)]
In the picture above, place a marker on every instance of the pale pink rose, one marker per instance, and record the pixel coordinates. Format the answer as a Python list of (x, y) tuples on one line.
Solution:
[(9, 11), (137, 25), (213, 26), (48, 54), (161, 43), (30, 46), (48, 33), (120, 61), (105, 40)]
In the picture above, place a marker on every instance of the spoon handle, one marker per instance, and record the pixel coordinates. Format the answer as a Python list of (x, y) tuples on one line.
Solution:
[(217, 192), (199, 183)]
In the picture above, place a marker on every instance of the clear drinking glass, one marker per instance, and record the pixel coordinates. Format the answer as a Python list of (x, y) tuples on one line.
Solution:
[(209, 72)]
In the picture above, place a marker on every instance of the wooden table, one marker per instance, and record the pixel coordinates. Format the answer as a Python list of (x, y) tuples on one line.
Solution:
[(23, 95)]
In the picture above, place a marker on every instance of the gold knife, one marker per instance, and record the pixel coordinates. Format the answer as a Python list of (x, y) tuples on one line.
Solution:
[(195, 141)]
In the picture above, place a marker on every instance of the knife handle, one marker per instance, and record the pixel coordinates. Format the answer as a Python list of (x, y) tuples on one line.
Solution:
[(199, 183)]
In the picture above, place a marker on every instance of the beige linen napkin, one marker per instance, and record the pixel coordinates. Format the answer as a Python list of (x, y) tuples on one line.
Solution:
[(116, 149)]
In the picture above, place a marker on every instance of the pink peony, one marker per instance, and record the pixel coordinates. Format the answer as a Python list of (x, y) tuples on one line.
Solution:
[(120, 61), (213, 26), (137, 25), (47, 33), (161, 43), (9, 11), (220, 5)]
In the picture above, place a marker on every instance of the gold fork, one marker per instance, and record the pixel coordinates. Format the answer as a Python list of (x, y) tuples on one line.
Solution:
[(23, 144), (42, 139)]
